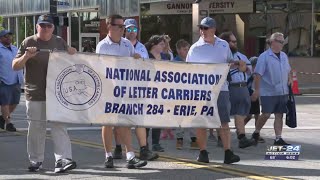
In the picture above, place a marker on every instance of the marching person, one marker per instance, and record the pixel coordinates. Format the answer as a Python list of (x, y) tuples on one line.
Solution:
[(239, 94), (155, 47), (255, 105), (167, 49), (131, 32), (211, 49), (271, 81), (182, 47), (10, 80), (36, 65), (114, 44)]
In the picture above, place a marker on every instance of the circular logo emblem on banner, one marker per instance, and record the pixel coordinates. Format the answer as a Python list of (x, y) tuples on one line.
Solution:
[(78, 87)]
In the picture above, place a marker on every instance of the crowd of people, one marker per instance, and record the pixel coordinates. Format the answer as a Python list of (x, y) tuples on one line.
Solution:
[(262, 80)]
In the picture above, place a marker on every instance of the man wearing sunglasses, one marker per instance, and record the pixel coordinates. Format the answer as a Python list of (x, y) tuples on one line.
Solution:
[(131, 34), (239, 94), (211, 49), (145, 154), (114, 44), (10, 80), (36, 65), (271, 81)]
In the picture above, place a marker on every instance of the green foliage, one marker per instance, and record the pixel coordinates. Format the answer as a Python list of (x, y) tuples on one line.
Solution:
[(1, 21)]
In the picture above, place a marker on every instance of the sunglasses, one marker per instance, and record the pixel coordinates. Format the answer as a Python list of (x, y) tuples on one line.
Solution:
[(233, 42), (129, 30), (46, 26), (203, 28), (118, 25), (279, 41)]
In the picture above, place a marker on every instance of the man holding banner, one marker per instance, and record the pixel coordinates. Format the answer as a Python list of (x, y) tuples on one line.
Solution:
[(131, 33), (211, 49), (36, 65), (115, 45)]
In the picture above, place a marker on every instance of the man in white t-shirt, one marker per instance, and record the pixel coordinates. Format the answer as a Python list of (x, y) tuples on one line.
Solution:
[(211, 49), (131, 33), (114, 44), (131, 29)]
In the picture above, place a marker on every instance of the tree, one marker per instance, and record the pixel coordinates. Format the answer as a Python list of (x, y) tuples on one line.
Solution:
[(1, 21)]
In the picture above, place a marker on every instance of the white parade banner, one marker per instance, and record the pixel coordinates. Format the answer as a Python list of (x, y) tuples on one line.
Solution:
[(122, 91)]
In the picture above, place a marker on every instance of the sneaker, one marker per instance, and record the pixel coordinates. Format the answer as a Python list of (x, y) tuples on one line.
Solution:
[(146, 154), (157, 148), (245, 142), (179, 144), (108, 163), (194, 145), (255, 137), (261, 140), (219, 143), (136, 163), (203, 157), (280, 142), (35, 166), (211, 137), (10, 127), (117, 153), (230, 158), (63, 165)]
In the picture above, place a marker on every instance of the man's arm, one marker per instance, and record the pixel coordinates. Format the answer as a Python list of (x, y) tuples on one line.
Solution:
[(256, 93), (20, 62)]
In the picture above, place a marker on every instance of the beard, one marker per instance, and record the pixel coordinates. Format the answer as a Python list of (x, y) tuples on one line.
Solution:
[(233, 49)]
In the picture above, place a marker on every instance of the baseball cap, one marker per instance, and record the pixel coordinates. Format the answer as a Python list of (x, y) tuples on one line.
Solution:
[(4, 32), (208, 22), (130, 22), (45, 19)]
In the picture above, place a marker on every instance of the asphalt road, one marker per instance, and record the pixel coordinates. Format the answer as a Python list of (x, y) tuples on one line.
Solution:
[(173, 164)]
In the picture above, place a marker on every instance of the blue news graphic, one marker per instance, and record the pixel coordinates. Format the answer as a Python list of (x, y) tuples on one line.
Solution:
[(286, 152)]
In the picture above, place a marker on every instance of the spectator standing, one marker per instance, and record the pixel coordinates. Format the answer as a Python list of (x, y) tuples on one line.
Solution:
[(10, 80)]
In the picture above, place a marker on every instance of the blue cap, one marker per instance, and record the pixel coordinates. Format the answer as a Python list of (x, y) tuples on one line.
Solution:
[(208, 22), (130, 22), (4, 32), (45, 19)]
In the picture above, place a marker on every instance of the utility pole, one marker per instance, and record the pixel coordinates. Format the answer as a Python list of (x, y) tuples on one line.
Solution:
[(53, 8)]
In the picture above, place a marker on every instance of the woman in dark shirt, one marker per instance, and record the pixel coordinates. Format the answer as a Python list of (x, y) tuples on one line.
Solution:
[(155, 47)]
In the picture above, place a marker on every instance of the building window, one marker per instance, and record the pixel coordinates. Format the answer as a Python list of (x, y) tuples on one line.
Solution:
[(90, 22)]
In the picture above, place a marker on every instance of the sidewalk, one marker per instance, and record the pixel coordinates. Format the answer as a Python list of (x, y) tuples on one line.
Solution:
[(312, 88)]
